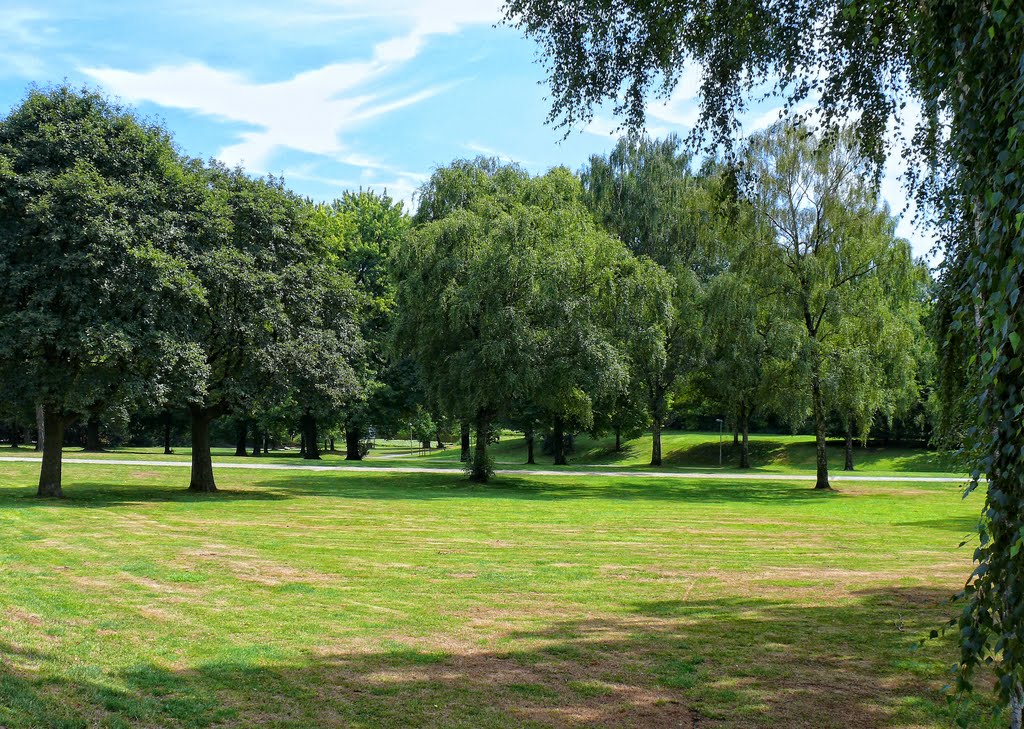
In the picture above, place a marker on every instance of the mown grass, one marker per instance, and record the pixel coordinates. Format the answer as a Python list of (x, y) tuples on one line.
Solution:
[(308, 599)]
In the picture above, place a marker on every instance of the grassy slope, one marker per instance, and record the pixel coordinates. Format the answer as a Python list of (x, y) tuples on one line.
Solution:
[(314, 599), (699, 451)]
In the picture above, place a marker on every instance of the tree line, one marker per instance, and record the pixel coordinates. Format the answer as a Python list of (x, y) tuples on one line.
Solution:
[(139, 280)]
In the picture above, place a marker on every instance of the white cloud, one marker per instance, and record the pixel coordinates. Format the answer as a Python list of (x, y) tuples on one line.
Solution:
[(24, 32), (311, 111)]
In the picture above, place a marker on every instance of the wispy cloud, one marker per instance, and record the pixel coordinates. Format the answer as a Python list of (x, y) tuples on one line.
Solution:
[(24, 32), (311, 111)]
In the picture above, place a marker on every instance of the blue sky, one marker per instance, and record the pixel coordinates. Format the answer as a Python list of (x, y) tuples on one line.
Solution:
[(331, 94)]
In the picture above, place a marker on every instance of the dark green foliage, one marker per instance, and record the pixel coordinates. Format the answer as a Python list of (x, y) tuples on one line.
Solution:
[(88, 232)]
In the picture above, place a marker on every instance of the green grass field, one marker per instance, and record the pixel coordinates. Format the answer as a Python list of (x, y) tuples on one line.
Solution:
[(310, 599)]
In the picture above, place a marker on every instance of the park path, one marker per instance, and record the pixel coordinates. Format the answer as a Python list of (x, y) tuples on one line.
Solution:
[(700, 475)]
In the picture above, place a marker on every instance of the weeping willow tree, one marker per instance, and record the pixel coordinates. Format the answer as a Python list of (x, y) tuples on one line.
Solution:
[(962, 63)]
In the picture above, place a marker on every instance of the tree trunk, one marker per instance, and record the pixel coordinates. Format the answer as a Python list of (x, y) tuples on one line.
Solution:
[(736, 430), (14, 435), (848, 466), (40, 428), (818, 403), (202, 459), (256, 450), (440, 443), (92, 434), (529, 446), (265, 441), (464, 456), (618, 439), (425, 444), (656, 441), (481, 471), (352, 450), (241, 435), (167, 433), (52, 436), (308, 424), (745, 428), (302, 443), (558, 442), (331, 443)]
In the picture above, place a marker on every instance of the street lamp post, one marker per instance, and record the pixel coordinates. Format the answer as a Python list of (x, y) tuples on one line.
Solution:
[(720, 426)]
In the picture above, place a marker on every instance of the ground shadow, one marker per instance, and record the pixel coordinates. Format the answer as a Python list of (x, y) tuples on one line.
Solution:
[(735, 662), (396, 485), (103, 494), (392, 485)]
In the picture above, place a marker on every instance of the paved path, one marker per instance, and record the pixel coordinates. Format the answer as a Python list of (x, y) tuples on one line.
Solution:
[(511, 472)]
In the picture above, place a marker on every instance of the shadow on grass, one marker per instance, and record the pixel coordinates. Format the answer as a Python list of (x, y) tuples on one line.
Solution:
[(98, 494), (392, 485), (739, 662), (441, 486)]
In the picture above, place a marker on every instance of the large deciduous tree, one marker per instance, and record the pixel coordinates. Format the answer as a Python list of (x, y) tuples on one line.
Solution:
[(504, 297), (645, 192), (245, 236), (821, 238), (87, 233), (362, 231)]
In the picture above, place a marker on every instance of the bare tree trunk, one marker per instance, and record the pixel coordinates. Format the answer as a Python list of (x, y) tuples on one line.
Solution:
[(92, 434), (464, 456), (558, 442), (256, 450), (202, 459), (848, 466), (819, 430), (312, 452), (302, 443), (352, 450), (52, 436), (529, 446), (618, 439), (736, 429), (167, 433), (40, 428), (440, 443), (481, 471), (241, 436), (745, 428), (266, 442), (1016, 704)]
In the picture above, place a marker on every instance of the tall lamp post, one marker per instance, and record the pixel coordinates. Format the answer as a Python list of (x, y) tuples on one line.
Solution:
[(720, 426)]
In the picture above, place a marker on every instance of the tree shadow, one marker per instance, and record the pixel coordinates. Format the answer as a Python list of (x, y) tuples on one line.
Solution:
[(396, 486), (733, 662), (103, 494)]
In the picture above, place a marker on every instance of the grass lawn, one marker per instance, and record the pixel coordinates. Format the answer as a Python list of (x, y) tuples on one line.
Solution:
[(311, 599)]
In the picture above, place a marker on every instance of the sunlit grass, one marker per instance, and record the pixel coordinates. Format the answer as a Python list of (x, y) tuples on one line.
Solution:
[(307, 599)]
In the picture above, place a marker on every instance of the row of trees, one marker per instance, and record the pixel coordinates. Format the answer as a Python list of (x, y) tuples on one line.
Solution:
[(142, 280), (136, 278), (596, 302)]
